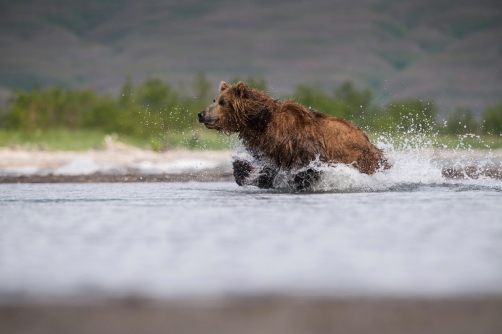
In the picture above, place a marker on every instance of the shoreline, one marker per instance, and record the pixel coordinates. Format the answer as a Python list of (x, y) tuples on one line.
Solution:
[(261, 314), (204, 176), (119, 162)]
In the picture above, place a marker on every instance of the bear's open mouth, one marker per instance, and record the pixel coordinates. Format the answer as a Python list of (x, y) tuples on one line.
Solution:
[(210, 124)]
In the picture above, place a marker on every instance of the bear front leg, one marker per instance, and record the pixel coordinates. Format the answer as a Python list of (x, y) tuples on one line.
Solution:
[(242, 169), (246, 174)]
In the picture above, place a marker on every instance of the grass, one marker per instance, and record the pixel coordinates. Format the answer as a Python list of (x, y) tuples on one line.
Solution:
[(61, 139), (81, 140)]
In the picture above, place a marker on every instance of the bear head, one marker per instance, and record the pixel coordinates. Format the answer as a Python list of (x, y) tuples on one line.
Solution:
[(236, 108)]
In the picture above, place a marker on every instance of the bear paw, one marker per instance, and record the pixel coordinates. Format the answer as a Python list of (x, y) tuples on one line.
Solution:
[(242, 169), (265, 179), (306, 179)]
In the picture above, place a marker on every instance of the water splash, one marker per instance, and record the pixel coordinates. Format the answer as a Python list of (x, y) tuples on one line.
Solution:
[(417, 159)]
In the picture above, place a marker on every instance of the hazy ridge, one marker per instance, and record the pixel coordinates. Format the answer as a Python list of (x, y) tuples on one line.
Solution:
[(449, 51)]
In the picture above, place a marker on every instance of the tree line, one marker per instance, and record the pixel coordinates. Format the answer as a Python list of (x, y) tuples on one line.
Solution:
[(155, 106)]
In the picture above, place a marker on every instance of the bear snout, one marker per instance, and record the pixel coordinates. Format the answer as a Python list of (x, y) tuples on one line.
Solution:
[(201, 116)]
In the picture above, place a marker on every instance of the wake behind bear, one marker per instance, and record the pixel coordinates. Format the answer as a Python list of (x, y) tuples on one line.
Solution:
[(285, 136)]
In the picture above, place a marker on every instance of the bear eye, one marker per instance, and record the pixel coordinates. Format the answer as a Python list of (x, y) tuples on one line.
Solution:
[(214, 100), (221, 102)]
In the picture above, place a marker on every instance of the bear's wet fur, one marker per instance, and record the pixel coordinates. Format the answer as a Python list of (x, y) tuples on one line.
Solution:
[(287, 136)]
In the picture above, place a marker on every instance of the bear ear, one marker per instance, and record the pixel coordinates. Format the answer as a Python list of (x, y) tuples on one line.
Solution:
[(241, 90), (223, 86)]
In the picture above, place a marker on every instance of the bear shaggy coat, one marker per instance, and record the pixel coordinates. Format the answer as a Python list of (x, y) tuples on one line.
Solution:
[(286, 136)]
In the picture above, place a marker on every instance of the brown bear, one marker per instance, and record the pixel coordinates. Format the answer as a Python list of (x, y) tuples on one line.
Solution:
[(286, 136)]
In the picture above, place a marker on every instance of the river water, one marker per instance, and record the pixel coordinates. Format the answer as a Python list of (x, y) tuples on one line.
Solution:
[(395, 234)]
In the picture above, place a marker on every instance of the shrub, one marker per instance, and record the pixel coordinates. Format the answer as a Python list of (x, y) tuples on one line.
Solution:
[(409, 116), (356, 102), (492, 118), (461, 121), (49, 108)]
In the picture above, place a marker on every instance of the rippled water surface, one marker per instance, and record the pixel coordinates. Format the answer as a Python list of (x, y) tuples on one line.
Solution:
[(203, 239)]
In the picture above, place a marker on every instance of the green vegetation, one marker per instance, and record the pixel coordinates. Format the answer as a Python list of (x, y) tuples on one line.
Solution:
[(152, 106), (462, 121), (84, 139), (57, 139), (407, 116), (157, 115), (493, 119)]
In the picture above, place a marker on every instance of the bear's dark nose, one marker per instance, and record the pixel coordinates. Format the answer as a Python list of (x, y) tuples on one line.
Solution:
[(201, 116)]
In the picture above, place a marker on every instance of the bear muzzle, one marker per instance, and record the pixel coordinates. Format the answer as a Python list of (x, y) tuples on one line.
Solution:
[(209, 122)]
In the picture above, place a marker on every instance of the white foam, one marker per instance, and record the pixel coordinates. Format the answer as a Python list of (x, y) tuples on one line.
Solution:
[(415, 161), (407, 169)]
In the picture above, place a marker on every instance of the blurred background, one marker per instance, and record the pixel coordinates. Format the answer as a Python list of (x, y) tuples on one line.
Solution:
[(73, 73), (144, 69)]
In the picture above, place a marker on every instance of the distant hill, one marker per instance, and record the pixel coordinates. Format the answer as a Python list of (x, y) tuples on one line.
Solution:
[(446, 50)]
